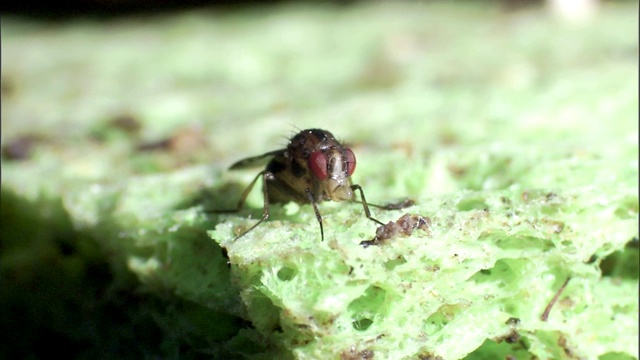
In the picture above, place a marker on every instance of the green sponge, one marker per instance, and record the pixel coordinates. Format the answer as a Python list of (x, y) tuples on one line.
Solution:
[(445, 292)]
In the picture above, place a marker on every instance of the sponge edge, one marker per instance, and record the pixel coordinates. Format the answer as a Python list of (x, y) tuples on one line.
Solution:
[(474, 284)]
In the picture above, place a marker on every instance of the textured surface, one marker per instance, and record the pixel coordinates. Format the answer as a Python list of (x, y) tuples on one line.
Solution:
[(515, 134)]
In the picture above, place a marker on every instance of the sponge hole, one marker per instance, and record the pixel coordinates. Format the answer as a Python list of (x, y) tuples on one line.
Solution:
[(287, 273), (370, 305), (362, 324)]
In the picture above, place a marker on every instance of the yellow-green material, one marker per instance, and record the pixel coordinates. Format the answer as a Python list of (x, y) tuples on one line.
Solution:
[(515, 133)]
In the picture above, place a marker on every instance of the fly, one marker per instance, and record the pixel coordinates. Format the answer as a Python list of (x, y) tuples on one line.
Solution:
[(314, 167)]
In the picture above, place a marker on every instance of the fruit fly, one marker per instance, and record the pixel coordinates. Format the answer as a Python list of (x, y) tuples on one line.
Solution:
[(314, 167)]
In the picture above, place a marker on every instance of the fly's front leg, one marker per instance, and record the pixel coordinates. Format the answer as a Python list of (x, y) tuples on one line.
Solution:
[(315, 209), (364, 204)]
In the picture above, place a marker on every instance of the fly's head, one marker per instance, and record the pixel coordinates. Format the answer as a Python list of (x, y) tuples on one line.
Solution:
[(332, 168), (327, 163)]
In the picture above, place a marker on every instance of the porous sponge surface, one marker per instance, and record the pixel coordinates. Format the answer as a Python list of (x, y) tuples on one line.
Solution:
[(448, 291)]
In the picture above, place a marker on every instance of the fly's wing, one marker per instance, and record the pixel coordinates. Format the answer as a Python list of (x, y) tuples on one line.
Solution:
[(255, 161)]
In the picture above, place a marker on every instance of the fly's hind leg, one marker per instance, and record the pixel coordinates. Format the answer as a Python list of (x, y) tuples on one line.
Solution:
[(266, 176), (365, 205), (395, 206)]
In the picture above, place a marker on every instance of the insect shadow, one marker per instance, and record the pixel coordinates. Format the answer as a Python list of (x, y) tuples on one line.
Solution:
[(314, 167)]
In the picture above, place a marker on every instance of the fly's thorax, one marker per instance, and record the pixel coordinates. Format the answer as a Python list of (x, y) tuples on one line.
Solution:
[(308, 141)]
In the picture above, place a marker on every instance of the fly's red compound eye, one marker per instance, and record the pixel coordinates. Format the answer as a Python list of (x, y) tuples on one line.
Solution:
[(351, 161), (318, 165)]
